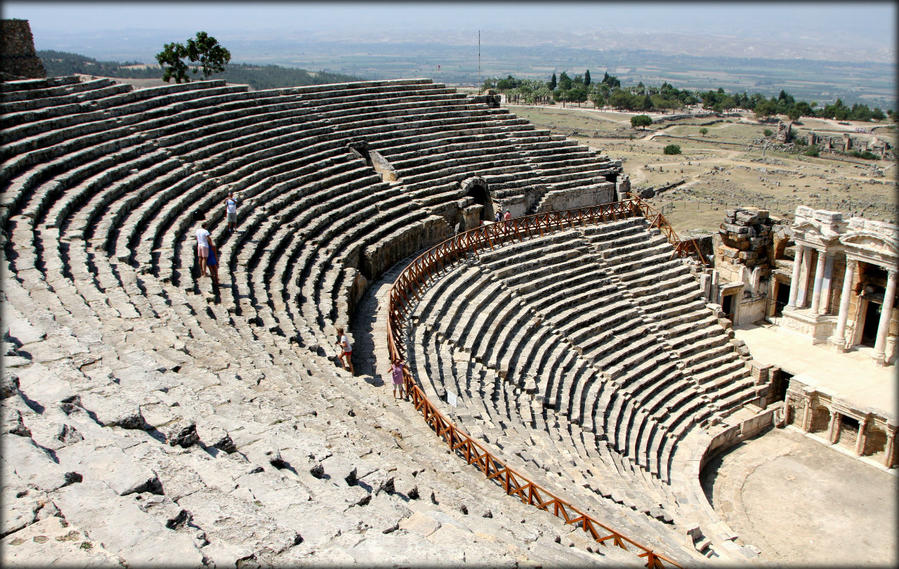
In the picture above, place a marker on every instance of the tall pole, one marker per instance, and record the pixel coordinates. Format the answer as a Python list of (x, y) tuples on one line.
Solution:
[(479, 59)]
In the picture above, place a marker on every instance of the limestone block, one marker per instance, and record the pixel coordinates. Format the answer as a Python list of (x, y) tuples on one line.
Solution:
[(23, 331), (111, 466), (213, 436), (9, 384), (55, 542), (124, 530), (420, 523), (114, 411), (12, 423), (40, 384), (34, 465), (176, 475), (183, 433), (237, 521), (20, 503)]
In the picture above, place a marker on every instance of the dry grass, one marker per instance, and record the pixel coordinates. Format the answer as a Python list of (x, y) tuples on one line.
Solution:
[(724, 169)]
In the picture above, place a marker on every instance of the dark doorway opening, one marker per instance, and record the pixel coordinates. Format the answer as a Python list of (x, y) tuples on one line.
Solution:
[(781, 383), (872, 320), (727, 305), (848, 431), (782, 298), (481, 195)]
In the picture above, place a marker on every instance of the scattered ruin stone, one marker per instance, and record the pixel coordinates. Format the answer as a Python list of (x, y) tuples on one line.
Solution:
[(182, 433), (9, 384)]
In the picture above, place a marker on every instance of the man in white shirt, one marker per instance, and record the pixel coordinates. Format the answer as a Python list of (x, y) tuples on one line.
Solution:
[(203, 247), (231, 211)]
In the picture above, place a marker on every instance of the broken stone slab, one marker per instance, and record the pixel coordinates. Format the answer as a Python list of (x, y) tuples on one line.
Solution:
[(237, 521), (22, 330), (182, 433), (40, 384), (123, 528), (12, 423), (111, 466), (420, 523), (114, 411), (34, 465), (177, 475), (212, 436), (56, 542), (9, 385), (20, 503)]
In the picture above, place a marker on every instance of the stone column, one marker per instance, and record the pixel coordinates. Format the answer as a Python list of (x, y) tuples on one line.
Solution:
[(807, 416), (794, 284), (819, 276), (834, 428), (838, 335), (862, 437), (883, 327), (803, 277), (824, 301)]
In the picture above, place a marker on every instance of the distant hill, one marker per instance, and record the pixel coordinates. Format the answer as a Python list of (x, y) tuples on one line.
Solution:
[(58, 63)]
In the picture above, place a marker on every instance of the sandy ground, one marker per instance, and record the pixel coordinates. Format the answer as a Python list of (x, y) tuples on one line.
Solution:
[(803, 503)]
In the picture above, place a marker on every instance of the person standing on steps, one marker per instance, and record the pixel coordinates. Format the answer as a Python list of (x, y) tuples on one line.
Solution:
[(507, 216), (203, 247), (231, 212), (212, 263), (396, 372), (346, 351)]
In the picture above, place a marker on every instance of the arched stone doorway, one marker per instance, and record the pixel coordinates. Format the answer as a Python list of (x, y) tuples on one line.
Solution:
[(476, 188)]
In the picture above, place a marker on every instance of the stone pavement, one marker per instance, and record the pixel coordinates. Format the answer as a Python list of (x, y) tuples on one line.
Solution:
[(852, 375), (802, 503)]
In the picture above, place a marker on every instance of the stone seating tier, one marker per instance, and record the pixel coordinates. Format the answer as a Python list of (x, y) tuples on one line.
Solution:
[(101, 221)]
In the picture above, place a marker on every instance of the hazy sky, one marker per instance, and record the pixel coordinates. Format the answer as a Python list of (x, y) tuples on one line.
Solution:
[(874, 22)]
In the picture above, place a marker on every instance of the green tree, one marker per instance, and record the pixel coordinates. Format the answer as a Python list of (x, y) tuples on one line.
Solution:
[(203, 52), (703, 131), (641, 121), (564, 81), (587, 78), (671, 149), (171, 59), (553, 83)]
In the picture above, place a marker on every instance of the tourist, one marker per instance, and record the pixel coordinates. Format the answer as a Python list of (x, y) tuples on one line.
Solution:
[(346, 351), (203, 247), (507, 216), (498, 217), (396, 371), (231, 212), (212, 263)]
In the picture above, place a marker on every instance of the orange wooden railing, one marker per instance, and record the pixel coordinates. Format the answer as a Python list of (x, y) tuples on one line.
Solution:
[(656, 219), (424, 270)]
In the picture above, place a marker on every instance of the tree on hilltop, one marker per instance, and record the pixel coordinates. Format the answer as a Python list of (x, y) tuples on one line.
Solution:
[(587, 78), (203, 52)]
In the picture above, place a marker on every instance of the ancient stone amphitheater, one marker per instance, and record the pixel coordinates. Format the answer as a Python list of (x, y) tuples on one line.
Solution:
[(149, 418)]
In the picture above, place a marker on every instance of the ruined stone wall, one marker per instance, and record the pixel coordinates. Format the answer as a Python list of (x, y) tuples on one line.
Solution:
[(18, 60), (744, 244)]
